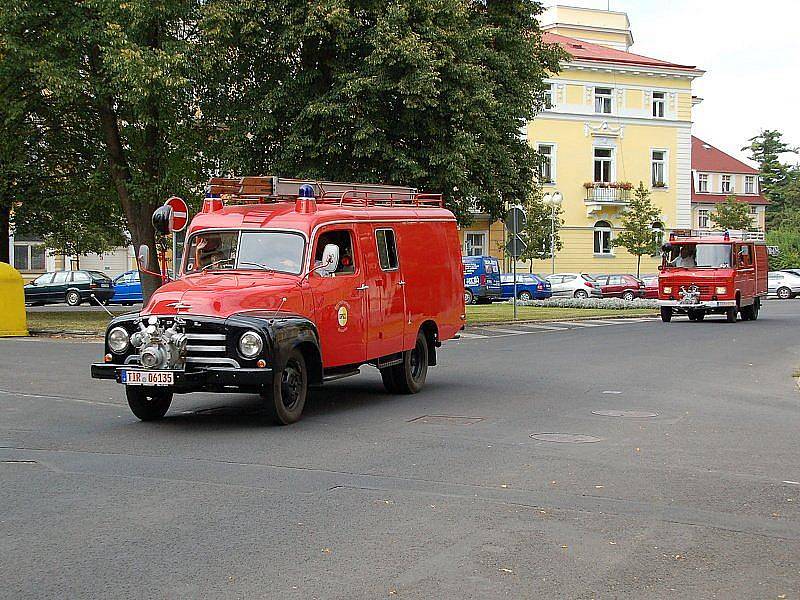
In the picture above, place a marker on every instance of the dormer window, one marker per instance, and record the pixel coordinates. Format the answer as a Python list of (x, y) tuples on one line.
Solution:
[(749, 184), (602, 100), (702, 183), (727, 187), (659, 104)]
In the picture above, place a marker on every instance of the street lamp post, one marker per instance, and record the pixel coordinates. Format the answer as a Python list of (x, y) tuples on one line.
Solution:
[(553, 201)]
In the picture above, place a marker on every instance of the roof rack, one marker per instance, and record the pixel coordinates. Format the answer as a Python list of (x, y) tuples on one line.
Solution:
[(269, 189), (733, 234)]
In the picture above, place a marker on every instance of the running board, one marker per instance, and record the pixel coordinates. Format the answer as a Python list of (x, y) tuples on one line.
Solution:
[(341, 375)]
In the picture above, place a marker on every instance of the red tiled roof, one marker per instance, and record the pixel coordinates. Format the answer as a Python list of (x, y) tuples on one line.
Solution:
[(581, 50), (707, 158), (717, 198)]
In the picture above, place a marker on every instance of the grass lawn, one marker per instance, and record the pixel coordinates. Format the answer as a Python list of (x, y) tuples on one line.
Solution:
[(70, 321), (488, 313)]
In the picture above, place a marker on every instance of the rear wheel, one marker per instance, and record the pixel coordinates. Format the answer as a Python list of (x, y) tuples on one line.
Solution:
[(784, 293), (525, 296), (628, 295), (286, 397), (581, 294), (666, 314), (148, 403), (409, 376), (73, 298), (469, 297)]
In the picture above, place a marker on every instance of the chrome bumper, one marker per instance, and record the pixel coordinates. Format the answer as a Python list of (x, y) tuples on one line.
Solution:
[(702, 304)]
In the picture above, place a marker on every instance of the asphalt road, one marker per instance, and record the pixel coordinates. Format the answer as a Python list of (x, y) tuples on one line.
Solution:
[(440, 495)]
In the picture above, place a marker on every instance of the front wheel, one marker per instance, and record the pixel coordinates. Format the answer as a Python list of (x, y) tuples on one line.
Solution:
[(731, 314), (469, 297), (286, 397), (409, 376), (628, 295), (73, 298), (666, 314), (525, 296), (581, 294), (750, 313), (784, 293), (148, 403)]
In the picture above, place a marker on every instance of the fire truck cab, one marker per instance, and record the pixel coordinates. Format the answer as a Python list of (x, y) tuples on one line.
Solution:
[(287, 284), (713, 272)]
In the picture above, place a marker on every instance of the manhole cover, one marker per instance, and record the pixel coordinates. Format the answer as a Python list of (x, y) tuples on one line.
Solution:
[(566, 438), (627, 414), (446, 420)]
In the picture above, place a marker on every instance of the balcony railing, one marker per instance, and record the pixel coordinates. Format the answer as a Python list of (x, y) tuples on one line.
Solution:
[(608, 194)]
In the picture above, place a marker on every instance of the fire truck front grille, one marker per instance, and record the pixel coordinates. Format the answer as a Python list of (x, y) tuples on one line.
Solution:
[(205, 348)]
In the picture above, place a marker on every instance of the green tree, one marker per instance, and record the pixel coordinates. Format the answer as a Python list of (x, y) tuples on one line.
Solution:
[(638, 236), (780, 182), (732, 214), (539, 226), (787, 239)]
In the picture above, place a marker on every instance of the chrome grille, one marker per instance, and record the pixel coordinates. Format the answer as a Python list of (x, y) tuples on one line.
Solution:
[(206, 349)]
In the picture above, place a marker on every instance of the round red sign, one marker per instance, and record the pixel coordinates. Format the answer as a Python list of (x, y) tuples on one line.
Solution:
[(180, 213)]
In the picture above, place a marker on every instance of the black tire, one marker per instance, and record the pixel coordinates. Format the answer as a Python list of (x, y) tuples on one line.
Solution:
[(756, 309), (696, 315), (750, 313), (525, 296), (287, 395), (469, 297), (666, 314), (731, 314), (148, 403), (581, 294), (784, 293), (628, 295), (409, 376), (72, 298), (387, 376)]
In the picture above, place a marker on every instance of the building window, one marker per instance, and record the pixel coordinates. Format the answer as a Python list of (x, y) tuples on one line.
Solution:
[(749, 184), (547, 166), (548, 97), (658, 168), (474, 243), (702, 182), (702, 218), (602, 237), (602, 100), (754, 216), (658, 236), (29, 257), (727, 186), (659, 103), (603, 162)]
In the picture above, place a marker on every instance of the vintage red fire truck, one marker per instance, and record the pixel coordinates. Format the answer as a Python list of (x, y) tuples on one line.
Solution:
[(287, 284), (713, 272)]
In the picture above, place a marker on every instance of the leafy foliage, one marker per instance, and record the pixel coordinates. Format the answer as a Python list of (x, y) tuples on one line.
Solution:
[(638, 236), (732, 214), (788, 242), (780, 182), (539, 226)]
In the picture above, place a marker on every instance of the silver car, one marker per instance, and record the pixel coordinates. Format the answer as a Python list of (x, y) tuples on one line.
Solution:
[(575, 285), (783, 284)]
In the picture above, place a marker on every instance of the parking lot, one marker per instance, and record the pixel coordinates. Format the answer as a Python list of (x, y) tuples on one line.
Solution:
[(629, 459)]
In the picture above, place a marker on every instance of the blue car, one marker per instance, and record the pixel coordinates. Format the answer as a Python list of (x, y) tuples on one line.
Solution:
[(481, 279), (529, 287), (127, 288)]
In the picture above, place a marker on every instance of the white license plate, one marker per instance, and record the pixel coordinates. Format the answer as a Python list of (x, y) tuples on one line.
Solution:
[(148, 377)]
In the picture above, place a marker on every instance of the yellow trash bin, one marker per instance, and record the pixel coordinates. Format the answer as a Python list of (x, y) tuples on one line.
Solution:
[(12, 302)]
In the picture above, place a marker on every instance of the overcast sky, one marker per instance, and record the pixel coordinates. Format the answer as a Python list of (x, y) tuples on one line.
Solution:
[(749, 50)]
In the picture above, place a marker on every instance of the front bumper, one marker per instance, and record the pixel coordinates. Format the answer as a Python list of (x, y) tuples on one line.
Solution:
[(208, 379), (703, 304)]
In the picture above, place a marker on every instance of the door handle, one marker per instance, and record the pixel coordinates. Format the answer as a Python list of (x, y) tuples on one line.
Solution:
[(362, 287)]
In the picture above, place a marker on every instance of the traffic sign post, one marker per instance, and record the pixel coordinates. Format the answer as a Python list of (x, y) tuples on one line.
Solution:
[(515, 221), (179, 219)]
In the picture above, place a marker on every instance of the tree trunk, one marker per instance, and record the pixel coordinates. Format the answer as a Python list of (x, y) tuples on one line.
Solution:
[(5, 232), (638, 263)]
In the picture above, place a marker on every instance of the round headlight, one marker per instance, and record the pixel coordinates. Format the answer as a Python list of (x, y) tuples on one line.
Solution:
[(250, 344), (118, 340)]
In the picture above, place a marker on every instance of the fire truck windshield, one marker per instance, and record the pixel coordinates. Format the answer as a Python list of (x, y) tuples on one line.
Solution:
[(245, 250), (714, 256)]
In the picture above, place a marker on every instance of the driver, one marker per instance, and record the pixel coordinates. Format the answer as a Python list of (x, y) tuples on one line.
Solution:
[(685, 258), (208, 250)]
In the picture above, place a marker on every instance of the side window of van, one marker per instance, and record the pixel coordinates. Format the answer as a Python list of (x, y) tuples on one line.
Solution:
[(387, 249), (344, 239)]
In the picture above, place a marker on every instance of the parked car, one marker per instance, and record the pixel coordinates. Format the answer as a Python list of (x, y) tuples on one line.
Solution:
[(72, 287), (577, 285), (650, 286), (127, 288), (792, 271), (783, 284), (622, 286), (481, 279), (529, 286)]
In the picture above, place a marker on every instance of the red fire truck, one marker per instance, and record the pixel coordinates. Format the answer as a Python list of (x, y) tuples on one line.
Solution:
[(287, 284), (713, 272)]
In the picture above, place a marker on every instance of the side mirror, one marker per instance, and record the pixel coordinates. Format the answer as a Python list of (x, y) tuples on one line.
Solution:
[(666, 248), (162, 219), (143, 257), (330, 258)]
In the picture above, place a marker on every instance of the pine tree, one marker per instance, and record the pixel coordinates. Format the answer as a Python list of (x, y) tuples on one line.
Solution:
[(638, 236)]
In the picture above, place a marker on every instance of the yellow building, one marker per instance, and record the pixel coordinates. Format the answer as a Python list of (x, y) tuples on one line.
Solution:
[(614, 119)]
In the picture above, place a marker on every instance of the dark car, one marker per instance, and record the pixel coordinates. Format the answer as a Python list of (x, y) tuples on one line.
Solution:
[(72, 287), (529, 286), (127, 288), (622, 286)]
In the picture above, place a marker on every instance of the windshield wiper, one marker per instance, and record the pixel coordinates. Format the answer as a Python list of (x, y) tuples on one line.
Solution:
[(216, 262), (255, 264)]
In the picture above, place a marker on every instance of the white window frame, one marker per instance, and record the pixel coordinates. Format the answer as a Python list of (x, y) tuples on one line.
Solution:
[(598, 234), (659, 105), (483, 245), (749, 184), (664, 162), (607, 100), (29, 246), (702, 218), (553, 157), (612, 169), (549, 96), (723, 180), (702, 178)]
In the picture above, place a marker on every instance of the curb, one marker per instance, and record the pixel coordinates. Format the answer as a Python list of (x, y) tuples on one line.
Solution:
[(524, 321)]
